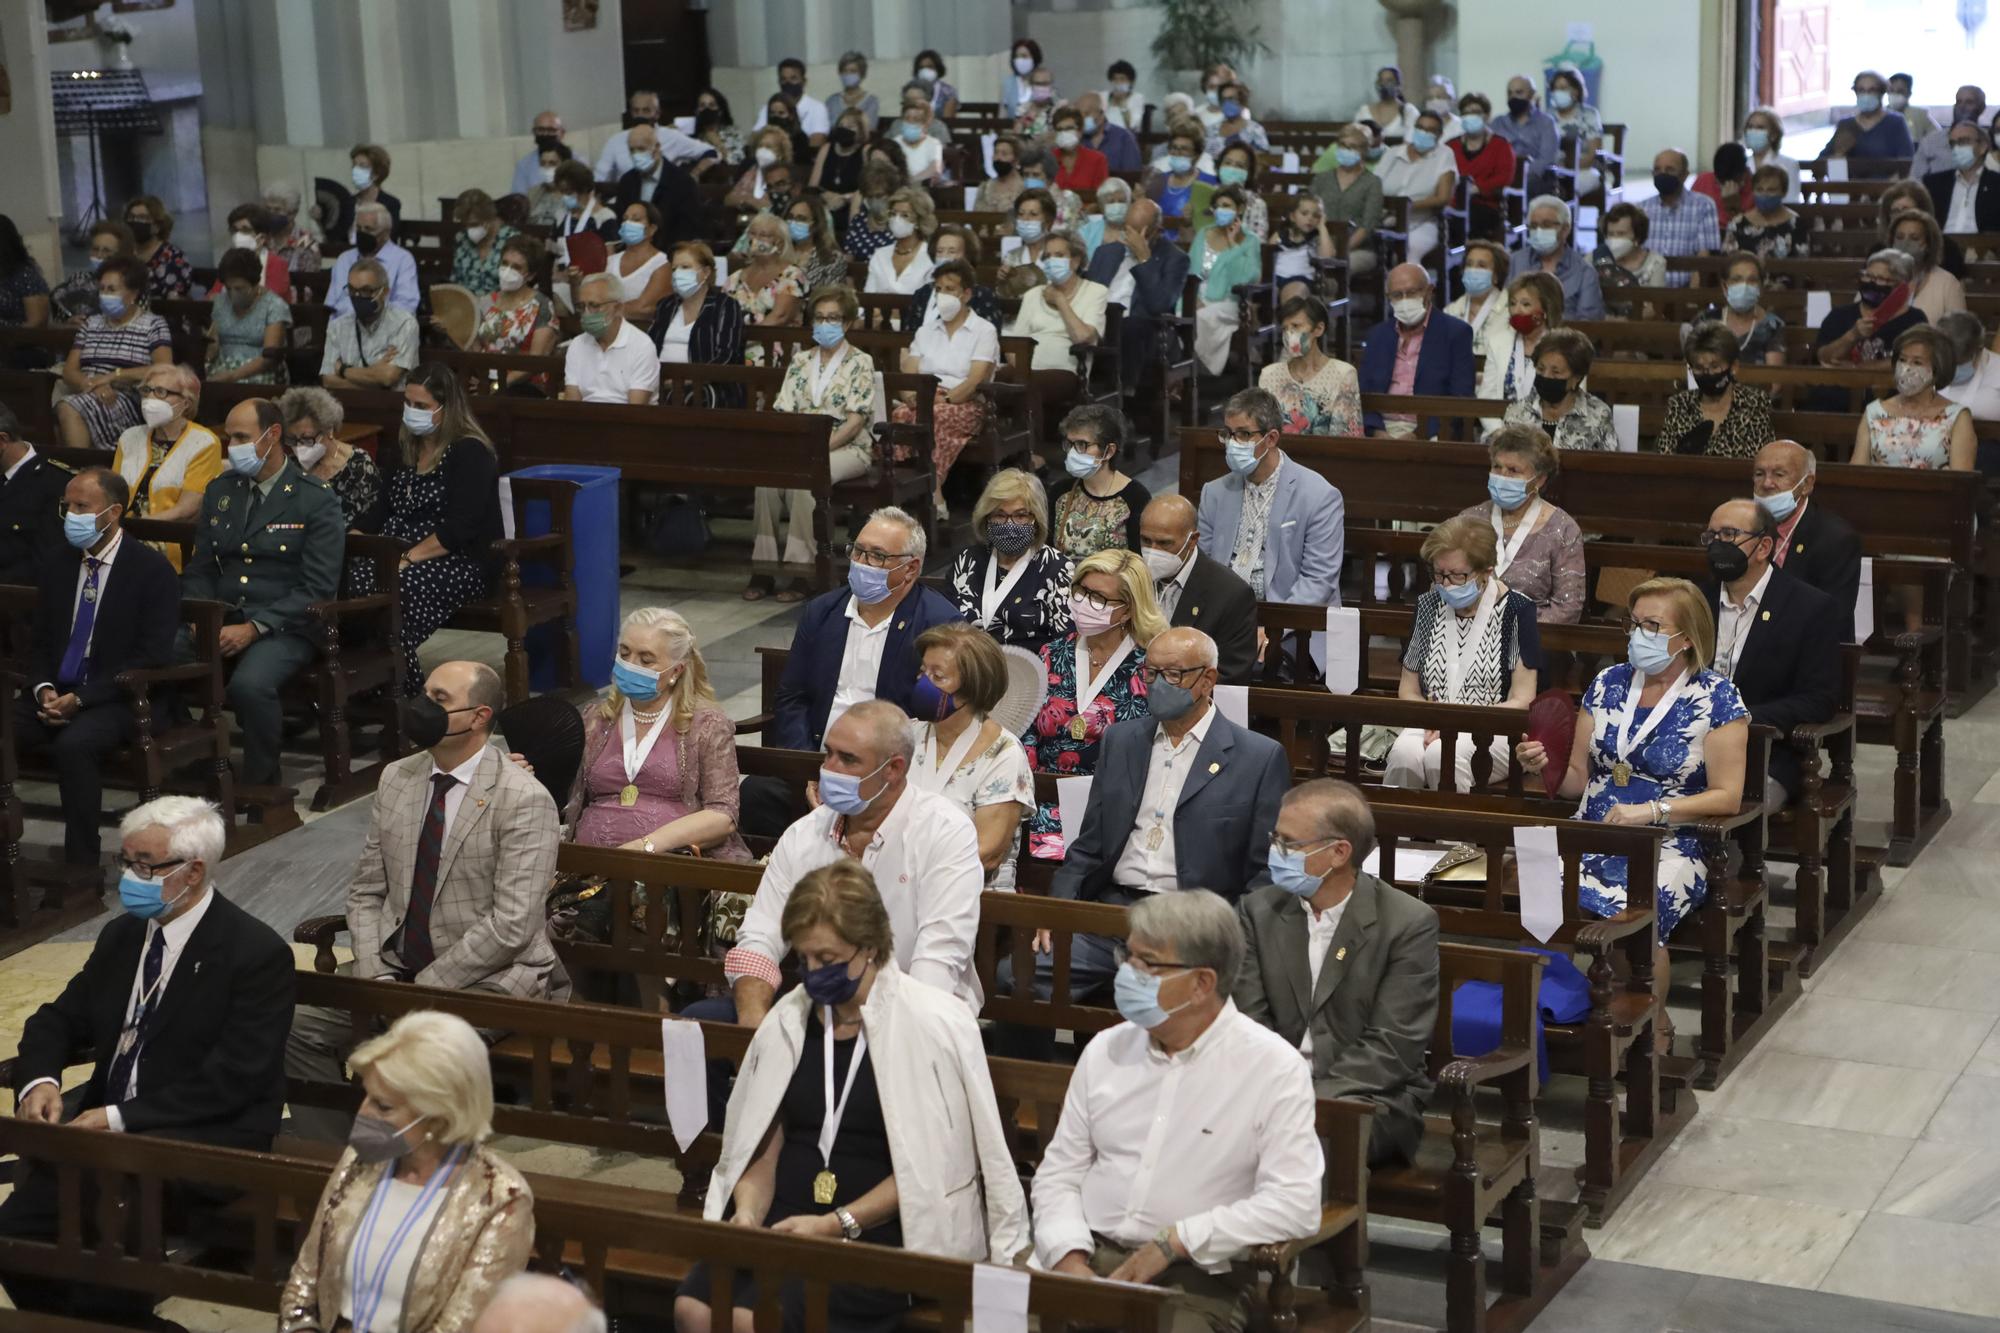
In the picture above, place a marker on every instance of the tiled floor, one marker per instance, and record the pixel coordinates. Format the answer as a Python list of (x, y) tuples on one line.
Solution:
[(1847, 1177)]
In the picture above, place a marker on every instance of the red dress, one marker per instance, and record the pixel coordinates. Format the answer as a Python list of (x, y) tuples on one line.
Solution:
[(1491, 169), (1091, 170)]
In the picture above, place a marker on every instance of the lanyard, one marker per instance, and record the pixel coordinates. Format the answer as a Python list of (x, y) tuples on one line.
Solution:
[(996, 592), (1511, 547), (1458, 652), (1085, 694), (637, 750), (368, 1286), (829, 1128), (1626, 742), (940, 778), (823, 371)]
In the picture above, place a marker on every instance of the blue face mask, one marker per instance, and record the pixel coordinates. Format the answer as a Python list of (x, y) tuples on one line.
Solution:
[(1423, 140), (912, 131), (631, 232), (1138, 997), (1034, 183), (1742, 296), (1090, 124), (841, 792), (1779, 506), (1115, 211), (569, 203), (801, 231), (1510, 493), (1963, 155), (1543, 240), (868, 584), (828, 333), (80, 530), (146, 898), (1757, 140), (1472, 122), (686, 281), (244, 459), (1169, 702), (1231, 109), (1225, 217), (417, 420), (1478, 281), (1460, 596), (830, 985), (114, 307), (1649, 652), (1562, 99), (1057, 269), (1242, 456), (1288, 872), (928, 703), (1232, 175), (1180, 164), (1080, 464), (635, 682), (1347, 157), (850, 79), (1028, 229), (642, 161)]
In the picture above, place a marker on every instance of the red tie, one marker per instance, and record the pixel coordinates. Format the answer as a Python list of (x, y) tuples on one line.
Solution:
[(416, 950)]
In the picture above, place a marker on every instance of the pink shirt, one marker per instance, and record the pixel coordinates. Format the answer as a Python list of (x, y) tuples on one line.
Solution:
[(1403, 379), (1785, 533)]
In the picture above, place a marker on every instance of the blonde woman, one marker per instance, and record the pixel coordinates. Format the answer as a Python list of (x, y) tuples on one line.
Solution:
[(1012, 583), (1534, 306), (961, 752), (1093, 675), (901, 268), (769, 286), (459, 1219), (659, 754)]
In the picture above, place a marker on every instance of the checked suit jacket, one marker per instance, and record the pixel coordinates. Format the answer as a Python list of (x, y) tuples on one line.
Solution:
[(488, 926)]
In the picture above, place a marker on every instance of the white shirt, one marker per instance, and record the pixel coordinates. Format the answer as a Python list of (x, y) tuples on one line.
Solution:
[(926, 154), (454, 797), (1119, 292), (632, 286), (1217, 1142), (1131, 115), (76, 601), (608, 374), (1320, 927), (950, 356), (884, 279), (1416, 180), (1144, 865), (810, 111), (1732, 624), (925, 860), (177, 932), (616, 159), (674, 346), (23, 463), (1961, 218), (860, 662), (1980, 395)]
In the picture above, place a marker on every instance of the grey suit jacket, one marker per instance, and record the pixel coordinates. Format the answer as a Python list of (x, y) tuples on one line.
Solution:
[(488, 924), (1374, 1007), (1303, 540), (1222, 824)]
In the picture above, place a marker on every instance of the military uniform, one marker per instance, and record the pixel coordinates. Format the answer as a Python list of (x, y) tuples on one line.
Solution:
[(31, 518), (267, 557)]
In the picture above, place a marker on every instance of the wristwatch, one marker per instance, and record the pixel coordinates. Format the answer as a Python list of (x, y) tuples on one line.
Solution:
[(849, 1228), (650, 848), (1164, 1238), (1666, 809)]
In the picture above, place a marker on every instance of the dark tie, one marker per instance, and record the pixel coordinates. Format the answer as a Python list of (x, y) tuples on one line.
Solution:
[(71, 670), (149, 981), (416, 949), (250, 511)]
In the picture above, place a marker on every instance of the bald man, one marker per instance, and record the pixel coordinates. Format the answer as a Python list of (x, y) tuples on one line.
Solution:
[(538, 1303), (1776, 636), (1815, 545), (1196, 591), (1417, 350), (449, 887), (1157, 272)]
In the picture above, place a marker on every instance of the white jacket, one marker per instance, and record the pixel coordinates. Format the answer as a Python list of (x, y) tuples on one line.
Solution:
[(938, 1105)]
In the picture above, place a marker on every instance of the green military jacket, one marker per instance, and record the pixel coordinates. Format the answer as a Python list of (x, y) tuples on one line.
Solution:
[(272, 568)]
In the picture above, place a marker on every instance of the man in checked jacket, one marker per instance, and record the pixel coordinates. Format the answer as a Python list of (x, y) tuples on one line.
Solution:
[(450, 886)]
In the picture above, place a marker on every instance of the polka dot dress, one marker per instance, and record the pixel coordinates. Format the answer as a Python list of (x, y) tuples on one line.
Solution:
[(433, 590)]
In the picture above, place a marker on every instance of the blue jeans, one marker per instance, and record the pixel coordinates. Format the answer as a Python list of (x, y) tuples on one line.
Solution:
[(1092, 965)]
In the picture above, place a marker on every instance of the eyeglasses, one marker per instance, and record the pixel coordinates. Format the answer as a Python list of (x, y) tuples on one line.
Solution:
[(1151, 966), (155, 391), (1244, 441), (1177, 675), (602, 307), (358, 293), (1099, 602), (1286, 846), (1656, 627), (1010, 516), (303, 441), (1091, 447), (1456, 578), (862, 555), (1730, 535), (148, 869)]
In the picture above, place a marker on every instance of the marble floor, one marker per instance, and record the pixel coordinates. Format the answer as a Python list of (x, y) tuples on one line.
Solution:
[(1846, 1177)]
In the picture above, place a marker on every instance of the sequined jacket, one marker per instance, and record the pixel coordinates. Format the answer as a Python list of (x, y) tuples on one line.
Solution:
[(482, 1234)]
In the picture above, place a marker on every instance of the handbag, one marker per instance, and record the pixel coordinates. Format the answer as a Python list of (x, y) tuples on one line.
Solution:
[(677, 529)]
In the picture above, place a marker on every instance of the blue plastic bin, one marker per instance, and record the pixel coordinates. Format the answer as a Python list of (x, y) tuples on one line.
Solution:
[(594, 533)]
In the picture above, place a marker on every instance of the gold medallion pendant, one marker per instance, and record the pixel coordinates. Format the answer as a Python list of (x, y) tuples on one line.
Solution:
[(823, 1188)]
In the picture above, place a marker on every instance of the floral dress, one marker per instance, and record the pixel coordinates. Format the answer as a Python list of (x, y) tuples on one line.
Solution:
[(1667, 765), (434, 589), (1082, 524), (1327, 404), (169, 276), (758, 302), (1034, 613), (1923, 443), (239, 338), (1052, 746), (358, 487), (476, 275), (1587, 424), (506, 332), (997, 775), (1789, 239)]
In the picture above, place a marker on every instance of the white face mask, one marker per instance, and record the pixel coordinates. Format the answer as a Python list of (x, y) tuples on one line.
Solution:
[(901, 227), (1410, 310), (1619, 246), (1162, 565), (242, 240), (766, 156), (1066, 139), (947, 305), (475, 234), (308, 455), (548, 175), (511, 278)]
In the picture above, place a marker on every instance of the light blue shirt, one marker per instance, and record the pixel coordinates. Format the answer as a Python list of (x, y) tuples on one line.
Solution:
[(402, 269), (528, 172)]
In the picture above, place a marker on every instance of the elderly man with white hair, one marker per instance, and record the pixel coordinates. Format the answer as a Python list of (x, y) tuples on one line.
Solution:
[(1815, 544), (182, 1007), (374, 345), (374, 238), (1187, 1135), (612, 362), (538, 1303), (1551, 248)]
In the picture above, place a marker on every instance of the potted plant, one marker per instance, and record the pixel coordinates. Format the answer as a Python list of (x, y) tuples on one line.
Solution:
[(1195, 34)]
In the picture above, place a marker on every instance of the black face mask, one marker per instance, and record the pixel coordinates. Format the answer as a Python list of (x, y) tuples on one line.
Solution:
[(707, 119), (1551, 388), (1713, 384), (367, 242), (1002, 168), (141, 231), (545, 140), (1727, 561), (426, 722), (365, 308), (843, 137), (1518, 106), (792, 92), (1872, 294)]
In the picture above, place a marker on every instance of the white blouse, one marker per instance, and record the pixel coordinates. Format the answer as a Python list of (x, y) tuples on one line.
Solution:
[(631, 286), (997, 775), (884, 279), (674, 346), (950, 356)]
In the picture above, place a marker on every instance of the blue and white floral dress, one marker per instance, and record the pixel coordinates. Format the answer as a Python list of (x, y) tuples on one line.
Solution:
[(1667, 765)]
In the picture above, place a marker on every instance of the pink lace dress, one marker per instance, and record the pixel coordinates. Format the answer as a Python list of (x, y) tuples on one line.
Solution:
[(606, 823)]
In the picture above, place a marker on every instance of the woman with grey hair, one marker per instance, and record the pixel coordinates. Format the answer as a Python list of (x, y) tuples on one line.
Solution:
[(852, 96), (1861, 334), (1976, 382), (313, 418)]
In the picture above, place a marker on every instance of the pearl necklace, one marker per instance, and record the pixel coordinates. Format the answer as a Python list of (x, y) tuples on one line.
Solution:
[(649, 718)]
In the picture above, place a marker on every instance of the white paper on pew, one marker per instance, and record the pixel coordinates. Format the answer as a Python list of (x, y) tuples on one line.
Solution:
[(685, 124), (1342, 655), (1625, 425), (1381, 578), (721, 272), (1412, 863), (1291, 162), (1233, 702), (1072, 796), (971, 198), (1539, 870), (1009, 244), (1000, 1299), (1836, 169), (1864, 602), (986, 142), (881, 401), (684, 1064), (1819, 305), (507, 507)]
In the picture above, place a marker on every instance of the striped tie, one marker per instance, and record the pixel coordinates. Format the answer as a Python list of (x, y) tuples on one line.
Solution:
[(416, 950), (120, 1083)]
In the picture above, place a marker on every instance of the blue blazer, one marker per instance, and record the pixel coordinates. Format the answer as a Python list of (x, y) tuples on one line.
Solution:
[(1222, 824), (812, 670), (1303, 542), (1444, 366)]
